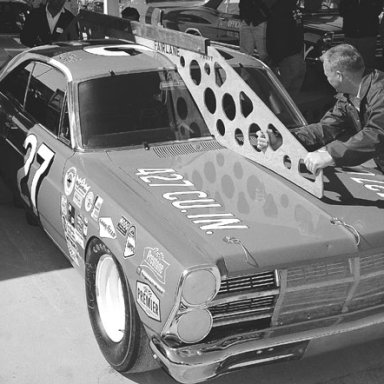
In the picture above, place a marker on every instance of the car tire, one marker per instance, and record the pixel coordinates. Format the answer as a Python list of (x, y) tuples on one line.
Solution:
[(116, 324)]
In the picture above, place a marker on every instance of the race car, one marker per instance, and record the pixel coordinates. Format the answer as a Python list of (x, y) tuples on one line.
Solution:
[(200, 253)]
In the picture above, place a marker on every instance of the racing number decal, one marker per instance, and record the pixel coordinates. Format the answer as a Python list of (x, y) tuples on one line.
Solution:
[(44, 153)]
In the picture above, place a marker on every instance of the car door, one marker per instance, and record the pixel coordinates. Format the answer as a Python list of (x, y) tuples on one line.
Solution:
[(46, 147)]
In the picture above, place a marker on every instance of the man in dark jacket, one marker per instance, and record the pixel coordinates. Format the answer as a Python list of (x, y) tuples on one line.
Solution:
[(49, 23), (361, 26), (353, 131), (285, 44), (253, 15)]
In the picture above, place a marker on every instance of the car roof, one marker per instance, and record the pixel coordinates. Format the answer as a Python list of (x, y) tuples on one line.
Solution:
[(91, 59)]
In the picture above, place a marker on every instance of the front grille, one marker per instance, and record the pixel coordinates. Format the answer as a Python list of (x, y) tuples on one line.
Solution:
[(307, 297), (260, 282), (244, 299)]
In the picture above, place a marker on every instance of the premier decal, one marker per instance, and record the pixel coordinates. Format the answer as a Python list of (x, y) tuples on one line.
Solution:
[(189, 200), (107, 228), (154, 260), (69, 180), (148, 300)]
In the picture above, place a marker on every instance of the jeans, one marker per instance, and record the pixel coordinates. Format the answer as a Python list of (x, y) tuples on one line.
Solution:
[(252, 37)]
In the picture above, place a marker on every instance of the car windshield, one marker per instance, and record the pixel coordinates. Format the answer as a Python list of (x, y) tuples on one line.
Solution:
[(138, 108), (154, 107), (261, 82)]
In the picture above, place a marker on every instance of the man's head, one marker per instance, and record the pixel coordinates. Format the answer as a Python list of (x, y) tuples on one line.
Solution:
[(343, 67), (55, 6)]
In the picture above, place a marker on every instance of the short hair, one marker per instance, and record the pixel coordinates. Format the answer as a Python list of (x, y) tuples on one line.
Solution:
[(344, 57)]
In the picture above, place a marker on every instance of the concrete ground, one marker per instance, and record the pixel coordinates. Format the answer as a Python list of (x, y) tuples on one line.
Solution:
[(46, 338)]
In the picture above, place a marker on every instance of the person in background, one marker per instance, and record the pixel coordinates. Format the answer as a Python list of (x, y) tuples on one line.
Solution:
[(49, 23), (285, 44), (353, 131), (361, 26), (253, 15)]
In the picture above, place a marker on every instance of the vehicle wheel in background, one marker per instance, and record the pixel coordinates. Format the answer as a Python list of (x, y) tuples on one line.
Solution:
[(113, 315)]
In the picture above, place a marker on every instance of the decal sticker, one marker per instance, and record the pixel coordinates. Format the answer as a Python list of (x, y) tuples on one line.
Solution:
[(123, 226), (71, 214), (96, 209), (89, 199), (64, 205), (148, 300), (107, 228), (143, 273), (130, 245), (166, 48), (189, 201), (69, 180), (155, 262), (81, 189), (70, 237)]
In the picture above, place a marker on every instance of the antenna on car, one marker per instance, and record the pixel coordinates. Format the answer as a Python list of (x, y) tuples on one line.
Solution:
[(233, 112)]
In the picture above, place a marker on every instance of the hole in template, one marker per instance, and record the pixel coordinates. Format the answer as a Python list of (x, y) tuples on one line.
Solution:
[(252, 135), (210, 100), (182, 61), (207, 69), (303, 171), (287, 162), (195, 72), (239, 136), (229, 106), (220, 127), (246, 105), (220, 75), (275, 138)]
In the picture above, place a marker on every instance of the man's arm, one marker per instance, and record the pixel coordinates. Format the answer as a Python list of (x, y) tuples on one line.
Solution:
[(368, 142)]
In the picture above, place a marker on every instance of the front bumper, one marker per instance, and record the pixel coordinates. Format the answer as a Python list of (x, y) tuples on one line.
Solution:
[(196, 363)]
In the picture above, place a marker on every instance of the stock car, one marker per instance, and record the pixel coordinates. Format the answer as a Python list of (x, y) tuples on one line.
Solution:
[(195, 257)]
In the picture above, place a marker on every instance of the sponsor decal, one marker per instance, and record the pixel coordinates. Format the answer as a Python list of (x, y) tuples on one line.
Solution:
[(193, 203), (144, 274), (148, 300), (107, 228), (70, 237), (88, 202), (71, 214), (69, 180), (154, 260), (81, 189), (96, 209), (130, 245), (64, 205), (123, 226)]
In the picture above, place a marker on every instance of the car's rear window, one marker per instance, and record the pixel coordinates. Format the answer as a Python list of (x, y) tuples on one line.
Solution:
[(139, 108)]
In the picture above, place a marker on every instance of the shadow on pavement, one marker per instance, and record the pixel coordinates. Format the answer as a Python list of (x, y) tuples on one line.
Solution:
[(24, 249)]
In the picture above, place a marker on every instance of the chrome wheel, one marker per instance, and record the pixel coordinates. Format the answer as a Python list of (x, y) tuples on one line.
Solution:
[(110, 298)]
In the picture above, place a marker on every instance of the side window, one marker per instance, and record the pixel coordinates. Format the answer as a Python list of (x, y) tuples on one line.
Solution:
[(65, 132), (15, 84), (45, 96), (229, 6)]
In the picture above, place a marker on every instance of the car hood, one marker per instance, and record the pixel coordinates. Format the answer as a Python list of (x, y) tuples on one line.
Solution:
[(230, 209)]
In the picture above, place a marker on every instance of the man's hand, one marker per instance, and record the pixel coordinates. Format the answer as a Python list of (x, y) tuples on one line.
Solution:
[(271, 139), (318, 160)]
